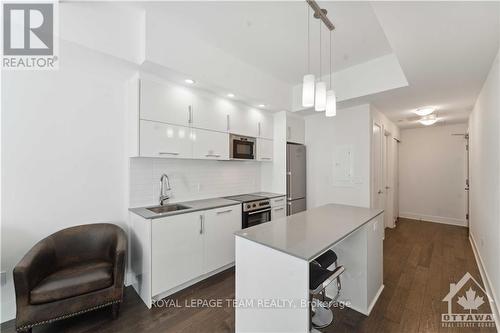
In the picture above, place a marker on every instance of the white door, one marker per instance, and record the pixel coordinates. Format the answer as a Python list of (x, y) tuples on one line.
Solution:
[(388, 178), (278, 212), (266, 125), (264, 150), (378, 167), (177, 250), (209, 113), (164, 140), (165, 102), (210, 145), (219, 228)]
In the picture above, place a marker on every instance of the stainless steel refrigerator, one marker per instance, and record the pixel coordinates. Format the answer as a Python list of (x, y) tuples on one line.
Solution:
[(296, 178)]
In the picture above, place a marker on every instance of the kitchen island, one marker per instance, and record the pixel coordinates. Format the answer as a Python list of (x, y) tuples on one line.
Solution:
[(272, 265)]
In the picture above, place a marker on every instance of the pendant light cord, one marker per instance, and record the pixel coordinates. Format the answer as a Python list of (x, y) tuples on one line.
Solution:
[(319, 21), (331, 60), (308, 40)]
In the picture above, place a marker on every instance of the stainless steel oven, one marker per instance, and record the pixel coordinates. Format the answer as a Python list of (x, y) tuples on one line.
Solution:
[(255, 213), (254, 209), (242, 147)]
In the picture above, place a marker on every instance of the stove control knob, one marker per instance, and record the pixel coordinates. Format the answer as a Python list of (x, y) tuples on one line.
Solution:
[(248, 206), (254, 205)]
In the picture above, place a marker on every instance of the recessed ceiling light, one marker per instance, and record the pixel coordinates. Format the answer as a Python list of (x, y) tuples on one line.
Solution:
[(262, 105), (189, 81), (428, 120), (424, 111), (230, 95)]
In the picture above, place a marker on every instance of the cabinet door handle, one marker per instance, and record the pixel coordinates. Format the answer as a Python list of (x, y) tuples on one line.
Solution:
[(166, 153), (259, 128), (265, 158), (190, 114), (227, 121), (212, 155), (281, 208), (201, 224), (279, 200), (225, 211)]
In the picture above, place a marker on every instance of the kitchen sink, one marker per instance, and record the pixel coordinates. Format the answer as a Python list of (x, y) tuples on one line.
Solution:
[(167, 208)]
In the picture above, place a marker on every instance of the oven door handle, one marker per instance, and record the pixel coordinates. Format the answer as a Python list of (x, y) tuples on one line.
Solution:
[(260, 211)]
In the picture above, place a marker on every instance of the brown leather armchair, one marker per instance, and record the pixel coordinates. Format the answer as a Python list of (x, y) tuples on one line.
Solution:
[(73, 271)]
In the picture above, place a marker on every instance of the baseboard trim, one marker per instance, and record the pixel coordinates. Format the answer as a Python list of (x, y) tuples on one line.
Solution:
[(486, 280), (372, 304), (436, 219), (375, 299)]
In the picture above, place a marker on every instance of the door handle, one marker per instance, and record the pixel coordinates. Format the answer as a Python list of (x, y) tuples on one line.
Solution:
[(281, 208), (279, 200), (225, 211), (380, 192), (190, 114), (212, 155), (259, 128), (166, 153), (201, 224), (259, 211), (227, 121)]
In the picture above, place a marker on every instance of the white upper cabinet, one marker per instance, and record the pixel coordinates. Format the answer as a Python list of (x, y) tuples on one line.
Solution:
[(266, 125), (166, 102), (295, 130), (209, 113), (264, 150), (219, 228), (244, 121), (210, 145), (164, 140)]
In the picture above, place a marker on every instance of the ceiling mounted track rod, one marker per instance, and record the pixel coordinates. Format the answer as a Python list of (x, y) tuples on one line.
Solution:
[(321, 13)]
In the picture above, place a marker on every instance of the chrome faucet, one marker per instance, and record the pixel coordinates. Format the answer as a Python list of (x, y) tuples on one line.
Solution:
[(164, 187)]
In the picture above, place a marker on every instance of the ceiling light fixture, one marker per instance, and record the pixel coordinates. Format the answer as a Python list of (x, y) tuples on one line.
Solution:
[(331, 99), (262, 105), (308, 80), (424, 111), (230, 95), (428, 120), (190, 81)]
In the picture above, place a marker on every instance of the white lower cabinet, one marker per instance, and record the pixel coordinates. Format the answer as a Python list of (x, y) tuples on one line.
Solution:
[(176, 250), (278, 212), (220, 225), (264, 150), (164, 140), (184, 247), (210, 145)]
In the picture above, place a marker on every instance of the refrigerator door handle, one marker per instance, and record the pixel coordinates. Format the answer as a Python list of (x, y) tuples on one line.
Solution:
[(289, 182)]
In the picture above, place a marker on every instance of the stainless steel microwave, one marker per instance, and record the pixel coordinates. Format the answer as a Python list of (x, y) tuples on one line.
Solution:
[(241, 147)]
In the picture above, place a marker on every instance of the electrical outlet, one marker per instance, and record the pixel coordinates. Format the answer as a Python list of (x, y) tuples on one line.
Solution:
[(3, 277)]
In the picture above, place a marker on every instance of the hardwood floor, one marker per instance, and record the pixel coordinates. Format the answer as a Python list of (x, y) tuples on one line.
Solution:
[(421, 259)]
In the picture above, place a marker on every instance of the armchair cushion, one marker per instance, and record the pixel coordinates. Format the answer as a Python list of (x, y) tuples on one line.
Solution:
[(72, 281)]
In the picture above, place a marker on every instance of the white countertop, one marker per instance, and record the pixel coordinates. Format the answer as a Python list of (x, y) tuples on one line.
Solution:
[(309, 233)]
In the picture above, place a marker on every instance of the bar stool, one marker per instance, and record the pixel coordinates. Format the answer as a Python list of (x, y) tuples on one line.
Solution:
[(319, 278)]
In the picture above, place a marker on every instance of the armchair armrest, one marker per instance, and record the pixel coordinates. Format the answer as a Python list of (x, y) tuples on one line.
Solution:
[(33, 267), (119, 254)]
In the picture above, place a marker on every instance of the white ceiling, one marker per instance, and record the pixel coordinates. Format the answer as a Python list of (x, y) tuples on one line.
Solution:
[(272, 35), (445, 49)]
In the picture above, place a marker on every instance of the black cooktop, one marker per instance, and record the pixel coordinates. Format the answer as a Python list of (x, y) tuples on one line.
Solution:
[(246, 197)]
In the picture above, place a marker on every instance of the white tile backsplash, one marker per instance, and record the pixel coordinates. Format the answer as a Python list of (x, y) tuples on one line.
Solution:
[(190, 179)]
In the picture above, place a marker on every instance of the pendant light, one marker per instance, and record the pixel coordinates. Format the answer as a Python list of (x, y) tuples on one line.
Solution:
[(320, 97), (308, 81), (331, 99)]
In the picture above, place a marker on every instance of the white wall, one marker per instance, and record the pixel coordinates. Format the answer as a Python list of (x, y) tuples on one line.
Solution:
[(326, 139), (432, 174), (484, 130), (63, 152), (191, 179)]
